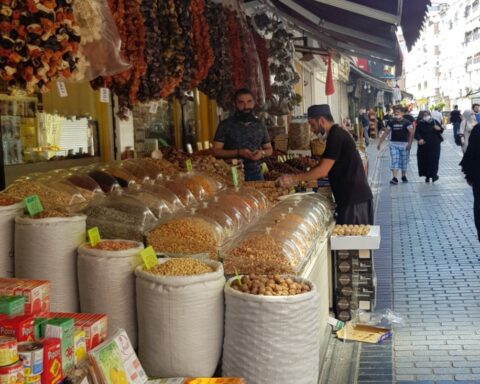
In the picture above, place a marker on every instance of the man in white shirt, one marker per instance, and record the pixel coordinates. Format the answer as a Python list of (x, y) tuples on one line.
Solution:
[(437, 115)]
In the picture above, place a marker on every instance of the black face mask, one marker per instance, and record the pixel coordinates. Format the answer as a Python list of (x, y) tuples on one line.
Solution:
[(245, 116)]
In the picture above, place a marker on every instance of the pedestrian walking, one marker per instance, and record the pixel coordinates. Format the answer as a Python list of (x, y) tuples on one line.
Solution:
[(365, 121), (429, 136), (401, 137), (476, 109), (455, 120), (437, 115), (342, 164), (469, 121), (469, 164)]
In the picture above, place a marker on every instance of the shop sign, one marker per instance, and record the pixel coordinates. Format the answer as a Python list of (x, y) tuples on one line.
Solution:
[(343, 69)]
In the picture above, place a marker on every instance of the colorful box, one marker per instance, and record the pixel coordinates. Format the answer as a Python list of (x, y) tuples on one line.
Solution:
[(37, 325), (36, 293), (20, 327), (52, 361), (12, 305), (62, 328), (80, 346), (94, 325)]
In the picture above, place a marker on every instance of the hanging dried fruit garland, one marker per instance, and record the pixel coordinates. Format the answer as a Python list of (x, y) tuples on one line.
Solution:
[(234, 38), (262, 51), (218, 83), (201, 42), (38, 43)]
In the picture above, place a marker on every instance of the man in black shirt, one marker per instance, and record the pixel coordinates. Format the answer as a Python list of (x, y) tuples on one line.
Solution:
[(455, 119), (243, 136), (342, 164)]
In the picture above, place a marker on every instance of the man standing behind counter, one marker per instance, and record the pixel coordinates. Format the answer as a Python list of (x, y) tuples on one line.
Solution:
[(341, 162), (243, 136)]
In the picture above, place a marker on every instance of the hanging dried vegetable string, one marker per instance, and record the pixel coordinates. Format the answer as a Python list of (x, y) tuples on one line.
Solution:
[(201, 42), (234, 36), (262, 51), (39, 42), (218, 83)]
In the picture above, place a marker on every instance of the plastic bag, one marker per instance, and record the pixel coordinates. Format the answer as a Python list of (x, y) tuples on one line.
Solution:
[(101, 44)]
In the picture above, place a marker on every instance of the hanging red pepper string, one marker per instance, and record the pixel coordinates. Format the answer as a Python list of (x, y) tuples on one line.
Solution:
[(238, 71)]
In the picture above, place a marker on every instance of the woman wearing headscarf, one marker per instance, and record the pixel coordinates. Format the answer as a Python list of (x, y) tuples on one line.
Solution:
[(469, 163), (429, 136), (466, 126)]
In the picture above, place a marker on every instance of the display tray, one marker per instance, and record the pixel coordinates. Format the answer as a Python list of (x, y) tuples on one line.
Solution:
[(371, 241)]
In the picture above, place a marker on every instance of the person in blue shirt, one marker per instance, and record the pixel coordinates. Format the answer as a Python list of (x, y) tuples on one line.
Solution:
[(476, 110)]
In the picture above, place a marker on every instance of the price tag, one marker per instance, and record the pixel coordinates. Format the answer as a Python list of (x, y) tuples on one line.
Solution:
[(33, 205), (104, 95), (153, 107), (62, 89), (149, 257), (189, 148), (162, 142), (206, 144), (279, 159), (264, 168), (188, 164), (94, 236), (199, 146), (235, 177), (284, 158)]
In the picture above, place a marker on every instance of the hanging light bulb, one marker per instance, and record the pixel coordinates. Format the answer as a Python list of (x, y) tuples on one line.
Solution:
[(365, 86)]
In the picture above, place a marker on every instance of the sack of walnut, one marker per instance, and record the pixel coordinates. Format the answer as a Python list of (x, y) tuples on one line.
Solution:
[(180, 322), (46, 249), (106, 282), (272, 339), (7, 226)]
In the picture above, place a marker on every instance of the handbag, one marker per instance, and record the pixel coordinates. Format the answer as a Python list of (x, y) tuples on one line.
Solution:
[(458, 140)]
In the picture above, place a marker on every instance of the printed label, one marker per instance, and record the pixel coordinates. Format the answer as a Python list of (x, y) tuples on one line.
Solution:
[(104, 95), (94, 236), (149, 257), (62, 89), (33, 205)]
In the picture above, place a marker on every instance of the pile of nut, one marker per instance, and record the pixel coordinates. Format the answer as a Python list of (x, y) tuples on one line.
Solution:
[(269, 189), (181, 267), (50, 198), (7, 200), (187, 235), (50, 213), (167, 168), (259, 254), (270, 285), (351, 230), (111, 245)]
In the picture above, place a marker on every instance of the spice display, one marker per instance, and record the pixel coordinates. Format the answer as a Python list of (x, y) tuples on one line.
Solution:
[(40, 42), (217, 169), (155, 203), (201, 43), (50, 214), (218, 83), (181, 267), (182, 191), (270, 285), (84, 182), (351, 230), (107, 182), (108, 245), (167, 168), (185, 235), (258, 254), (269, 188), (175, 156), (123, 177), (207, 186), (50, 198), (7, 200)]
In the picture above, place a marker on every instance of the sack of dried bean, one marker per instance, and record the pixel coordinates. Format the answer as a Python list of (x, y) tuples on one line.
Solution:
[(180, 319), (9, 208), (46, 249), (106, 282), (272, 339)]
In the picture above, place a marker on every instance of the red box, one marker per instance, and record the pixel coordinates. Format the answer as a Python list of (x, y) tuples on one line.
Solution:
[(20, 327), (52, 361), (36, 292), (94, 325)]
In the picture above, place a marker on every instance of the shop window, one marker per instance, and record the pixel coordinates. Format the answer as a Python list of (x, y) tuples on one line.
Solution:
[(467, 10), (475, 6), (468, 37), (425, 84)]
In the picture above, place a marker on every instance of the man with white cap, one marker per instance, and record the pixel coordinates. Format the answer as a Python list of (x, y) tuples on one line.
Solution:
[(342, 164)]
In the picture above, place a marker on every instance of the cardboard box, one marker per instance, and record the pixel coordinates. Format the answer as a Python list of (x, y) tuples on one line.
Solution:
[(38, 327), (36, 293), (20, 327), (52, 361), (364, 333), (12, 305), (371, 241), (94, 325), (63, 329), (80, 346)]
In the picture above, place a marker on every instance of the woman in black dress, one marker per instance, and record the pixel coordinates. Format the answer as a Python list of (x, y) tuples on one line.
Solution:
[(429, 136)]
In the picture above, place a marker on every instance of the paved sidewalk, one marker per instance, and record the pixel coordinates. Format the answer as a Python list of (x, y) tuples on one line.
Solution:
[(428, 272)]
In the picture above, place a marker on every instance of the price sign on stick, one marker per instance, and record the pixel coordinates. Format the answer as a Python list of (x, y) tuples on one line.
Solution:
[(33, 205), (149, 257), (62, 89), (153, 107), (189, 165), (264, 168), (104, 95), (94, 236), (235, 177)]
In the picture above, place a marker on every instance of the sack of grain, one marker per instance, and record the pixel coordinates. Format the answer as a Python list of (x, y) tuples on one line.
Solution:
[(46, 249), (272, 339), (180, 321), (106, 282), (7, 227)]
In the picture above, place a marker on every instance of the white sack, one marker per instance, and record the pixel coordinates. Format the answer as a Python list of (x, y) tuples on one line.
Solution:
[(106, 281), (7, 231), (272, 339), (180, 322), (46, 249)]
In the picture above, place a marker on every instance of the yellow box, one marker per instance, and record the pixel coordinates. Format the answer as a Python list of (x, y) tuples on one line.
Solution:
[(80, 346)]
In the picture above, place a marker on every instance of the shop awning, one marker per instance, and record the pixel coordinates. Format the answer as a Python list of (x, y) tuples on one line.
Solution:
[(375, 82), (361, 27)]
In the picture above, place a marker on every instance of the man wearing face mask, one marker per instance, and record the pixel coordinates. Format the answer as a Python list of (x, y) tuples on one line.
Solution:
[(342, 164), (243, 136), (401, 137)]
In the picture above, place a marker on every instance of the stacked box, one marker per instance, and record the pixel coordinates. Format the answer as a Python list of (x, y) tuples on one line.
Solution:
[(355, 283), (36, 293)]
